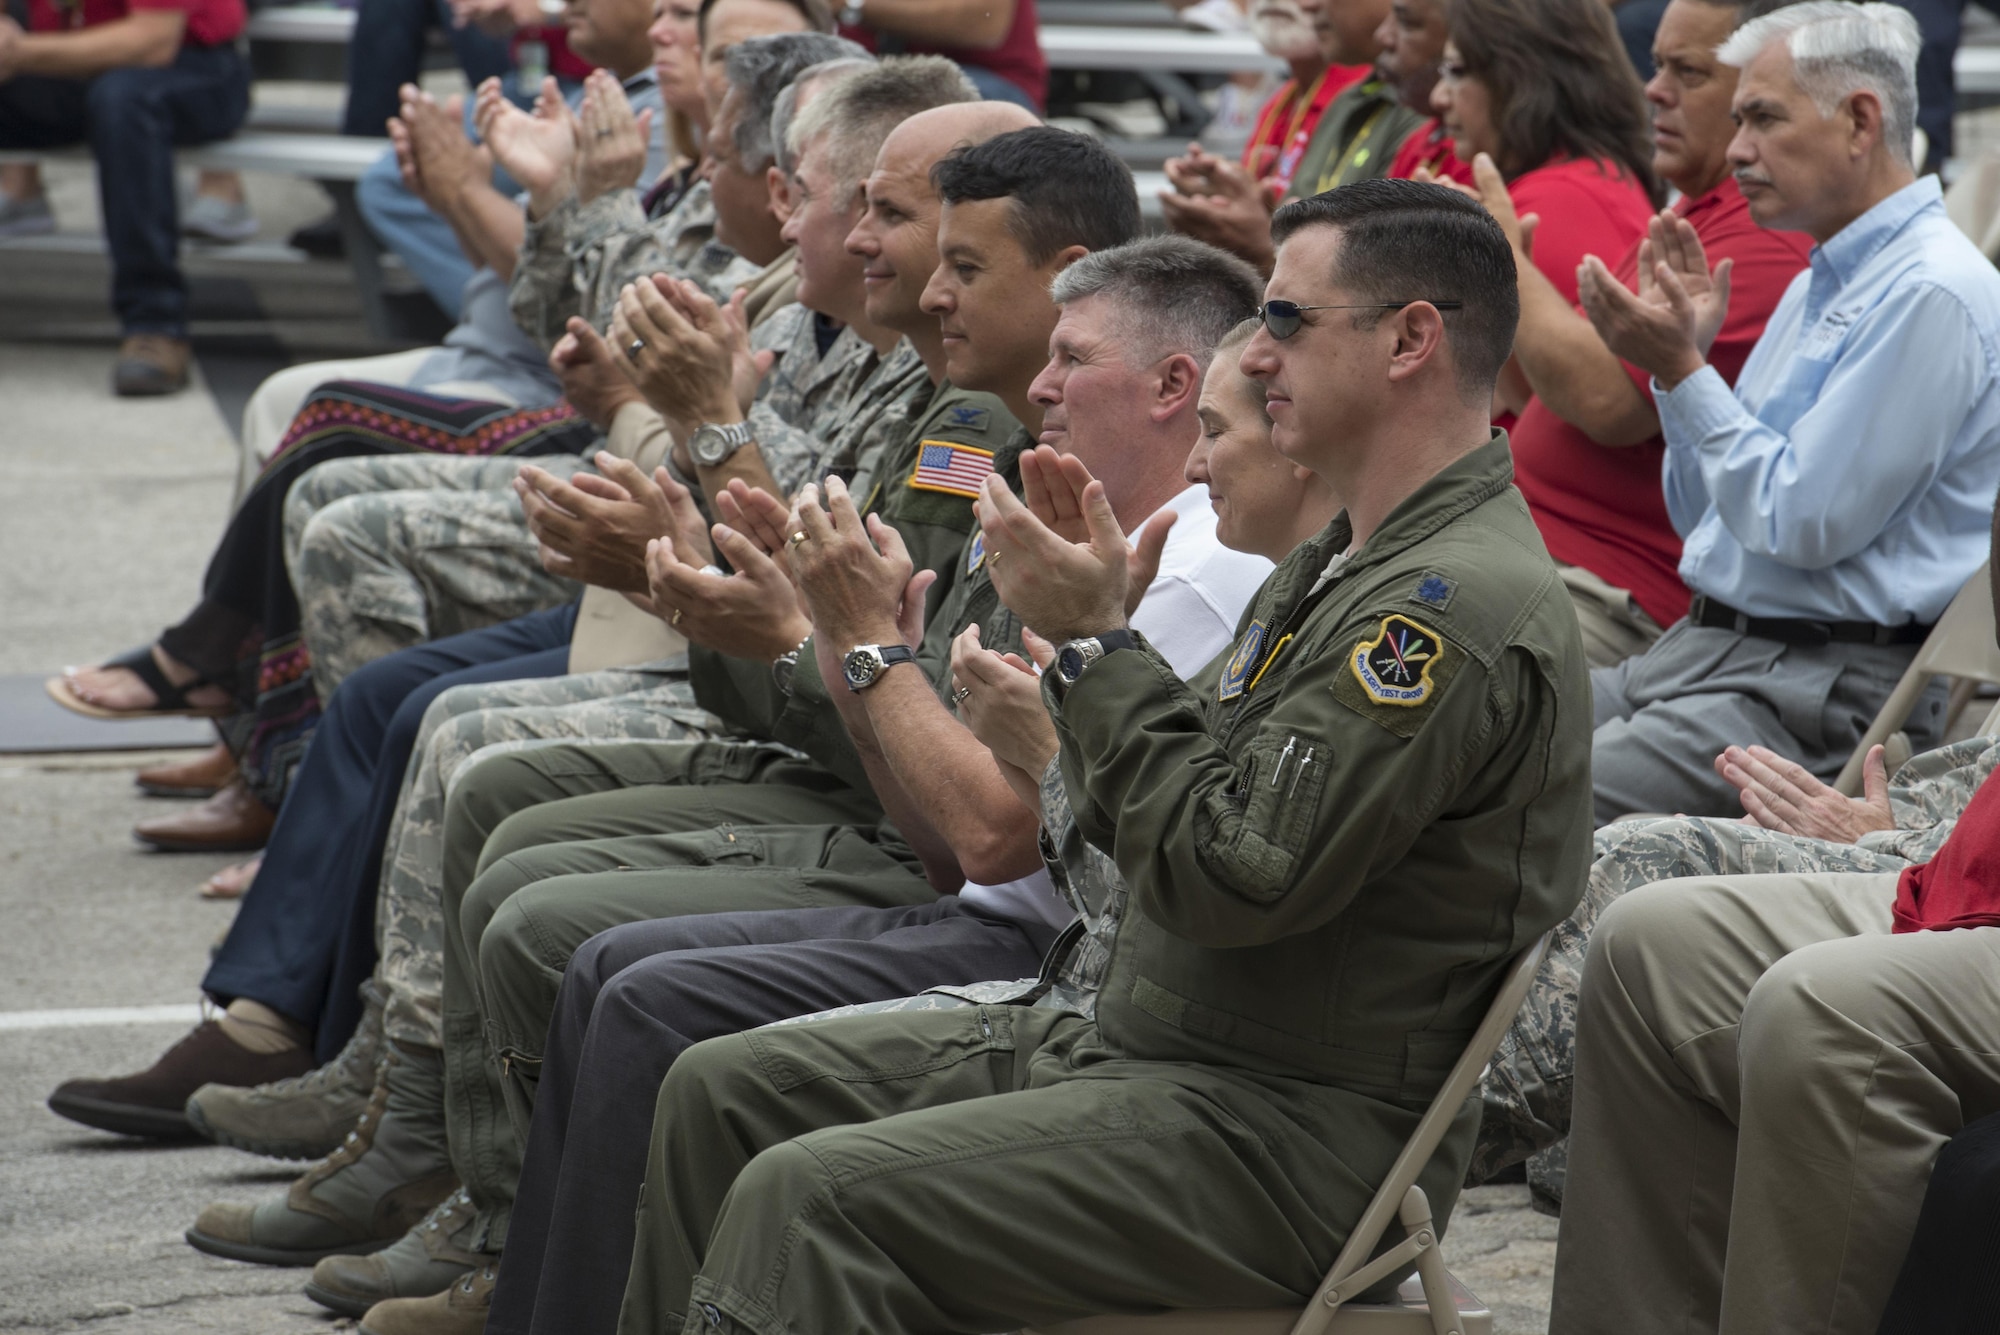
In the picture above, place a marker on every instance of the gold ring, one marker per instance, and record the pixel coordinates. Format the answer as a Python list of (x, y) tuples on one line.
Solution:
[(797, 538), (993, 558), (675, 619)]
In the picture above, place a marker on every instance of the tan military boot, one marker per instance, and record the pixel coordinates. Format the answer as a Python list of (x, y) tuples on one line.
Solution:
[(307, 1116), (459, 1310), (427, 1260)]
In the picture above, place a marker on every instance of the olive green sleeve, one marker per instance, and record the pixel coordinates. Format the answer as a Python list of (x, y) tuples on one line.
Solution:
[(1253, 842)]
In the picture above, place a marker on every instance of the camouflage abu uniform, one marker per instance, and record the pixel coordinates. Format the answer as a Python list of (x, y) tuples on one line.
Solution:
[(576, 260), (650, 702), (1528, 1083), (394, 551)]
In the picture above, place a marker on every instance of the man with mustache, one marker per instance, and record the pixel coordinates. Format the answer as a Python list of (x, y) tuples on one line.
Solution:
[(1834, 502)]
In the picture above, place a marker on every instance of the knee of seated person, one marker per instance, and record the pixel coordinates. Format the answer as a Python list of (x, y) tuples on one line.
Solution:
[(707, 1079), (333, 524), (515, 832), (1793, 1005), (483, 902), (113, 96)]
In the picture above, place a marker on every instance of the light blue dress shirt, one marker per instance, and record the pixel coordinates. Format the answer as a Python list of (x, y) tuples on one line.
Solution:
[(1851, 474)]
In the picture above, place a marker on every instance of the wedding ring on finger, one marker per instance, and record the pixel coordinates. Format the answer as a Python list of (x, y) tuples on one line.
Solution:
[(958, 697), (797, 538), (675, 619), (634, 348)]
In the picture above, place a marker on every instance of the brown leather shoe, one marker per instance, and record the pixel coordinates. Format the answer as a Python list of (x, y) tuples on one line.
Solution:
[(233, 821), (204, 776), (459, 1310), (151, 1103), (150, 364)]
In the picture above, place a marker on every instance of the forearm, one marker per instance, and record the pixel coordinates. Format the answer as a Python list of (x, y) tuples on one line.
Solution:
[(941, 865), (980, 24), (951, 779), (490, 226), (1574, 374), (122, 44)]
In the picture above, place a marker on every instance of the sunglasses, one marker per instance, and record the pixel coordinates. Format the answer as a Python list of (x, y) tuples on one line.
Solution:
[(1283, 318)]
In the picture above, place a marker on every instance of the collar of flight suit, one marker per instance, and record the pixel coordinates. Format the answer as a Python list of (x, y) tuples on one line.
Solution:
[(1454, 491)]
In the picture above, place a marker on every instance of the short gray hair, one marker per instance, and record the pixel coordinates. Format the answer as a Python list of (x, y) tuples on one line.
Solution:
[(1174, 294), (1838, 49), (758, 70), (787, 105), (856, 117)]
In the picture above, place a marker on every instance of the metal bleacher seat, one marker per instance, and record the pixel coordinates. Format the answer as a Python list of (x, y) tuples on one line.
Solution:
[(1432, 1303)]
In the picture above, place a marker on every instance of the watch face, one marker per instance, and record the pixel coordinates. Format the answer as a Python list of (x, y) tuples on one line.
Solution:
[(1069, 664), (782, 673), (708, 446), (860, 668)]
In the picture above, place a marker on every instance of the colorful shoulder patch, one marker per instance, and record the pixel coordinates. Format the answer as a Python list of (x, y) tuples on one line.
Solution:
[(1236, 672), (952, 468), (1397, 674)]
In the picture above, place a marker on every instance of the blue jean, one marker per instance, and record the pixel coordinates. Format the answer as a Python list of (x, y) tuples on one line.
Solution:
[(393, 34), (132, 119), (294, 944)]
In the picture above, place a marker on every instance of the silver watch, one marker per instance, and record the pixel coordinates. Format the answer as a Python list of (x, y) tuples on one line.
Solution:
[(786, 666), (711, 445)]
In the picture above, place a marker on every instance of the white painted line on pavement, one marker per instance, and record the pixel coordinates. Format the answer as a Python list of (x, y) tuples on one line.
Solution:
[(179, 1013)]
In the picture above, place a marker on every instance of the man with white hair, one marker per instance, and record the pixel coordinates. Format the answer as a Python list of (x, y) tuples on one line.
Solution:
[(1766, 1066), (1836, 500)]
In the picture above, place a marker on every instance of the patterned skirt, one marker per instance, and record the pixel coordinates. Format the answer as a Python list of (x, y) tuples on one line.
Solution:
[(244, 633)]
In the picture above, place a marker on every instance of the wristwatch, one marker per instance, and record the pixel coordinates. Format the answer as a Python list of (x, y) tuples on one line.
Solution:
[(1076, 655), (851, 15), (865, 663), (785, 666), (711, 444)]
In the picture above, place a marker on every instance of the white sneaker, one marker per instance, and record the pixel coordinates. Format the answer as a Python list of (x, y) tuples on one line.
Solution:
[(25, 217), (212, 219)]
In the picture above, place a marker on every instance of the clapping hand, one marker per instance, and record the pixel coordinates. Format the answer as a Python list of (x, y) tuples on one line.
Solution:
[(1217, 201), (593, 382), (610, 141), (1000, 698), (436, 159), (854, 574), (761, 517), (690, 357), (753, 613), (1490, 189), (1668, 326), (539, 151), (1057, 556), (596, 527), (1782, 795)]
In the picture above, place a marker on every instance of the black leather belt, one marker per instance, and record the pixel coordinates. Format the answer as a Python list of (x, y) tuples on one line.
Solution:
[(1706, 611)]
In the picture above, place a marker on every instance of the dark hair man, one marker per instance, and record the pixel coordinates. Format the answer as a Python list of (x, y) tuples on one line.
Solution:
[(1387, 779)]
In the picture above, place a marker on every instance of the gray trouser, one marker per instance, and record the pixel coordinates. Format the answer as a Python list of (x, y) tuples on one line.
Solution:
[(1614, 626), (1663, 716), (1764, 1076)]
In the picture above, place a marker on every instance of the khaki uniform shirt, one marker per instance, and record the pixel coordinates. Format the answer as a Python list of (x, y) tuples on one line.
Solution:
[(1369, 807)]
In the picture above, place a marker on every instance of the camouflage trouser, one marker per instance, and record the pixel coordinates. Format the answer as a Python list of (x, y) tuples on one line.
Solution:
[(1527, 1087), (390, 551), (650, 702)]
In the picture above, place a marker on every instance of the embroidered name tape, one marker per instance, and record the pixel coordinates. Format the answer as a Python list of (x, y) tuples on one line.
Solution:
[(947, 466), (1238, 668), (1395, 667)]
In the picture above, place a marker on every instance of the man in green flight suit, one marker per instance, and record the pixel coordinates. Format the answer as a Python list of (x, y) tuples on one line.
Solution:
[(1333, 840)]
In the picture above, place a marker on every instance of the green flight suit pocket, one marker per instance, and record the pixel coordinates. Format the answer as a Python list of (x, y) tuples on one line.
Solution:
[(866, 1049), (1278, 794)]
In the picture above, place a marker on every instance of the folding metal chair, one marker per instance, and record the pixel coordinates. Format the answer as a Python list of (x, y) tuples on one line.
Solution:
[(1961, 646), (1432, 1302)]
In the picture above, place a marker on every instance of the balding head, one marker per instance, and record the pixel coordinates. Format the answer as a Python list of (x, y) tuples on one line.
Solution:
[(897, 236)]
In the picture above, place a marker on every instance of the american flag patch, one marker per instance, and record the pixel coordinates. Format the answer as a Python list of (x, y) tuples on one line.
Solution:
[(954, 469)]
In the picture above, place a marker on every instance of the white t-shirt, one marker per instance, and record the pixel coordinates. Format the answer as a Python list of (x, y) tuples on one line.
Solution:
[(1189, 614)]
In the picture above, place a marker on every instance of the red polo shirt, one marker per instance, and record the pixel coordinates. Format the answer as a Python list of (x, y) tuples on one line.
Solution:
[(1429, 146), (1018, 59), (209, 22), (1286, 124), (1600, 507), (1960, 887)]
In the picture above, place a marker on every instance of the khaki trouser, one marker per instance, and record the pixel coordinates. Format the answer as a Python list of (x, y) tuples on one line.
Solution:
[(1764, 1076), (1614, 626)]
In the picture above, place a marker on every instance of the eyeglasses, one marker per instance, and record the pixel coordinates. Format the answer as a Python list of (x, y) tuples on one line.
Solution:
[(1283, 318)]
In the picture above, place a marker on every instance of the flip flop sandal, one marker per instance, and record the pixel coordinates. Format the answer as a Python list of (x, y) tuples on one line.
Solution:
[(173, 701)]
